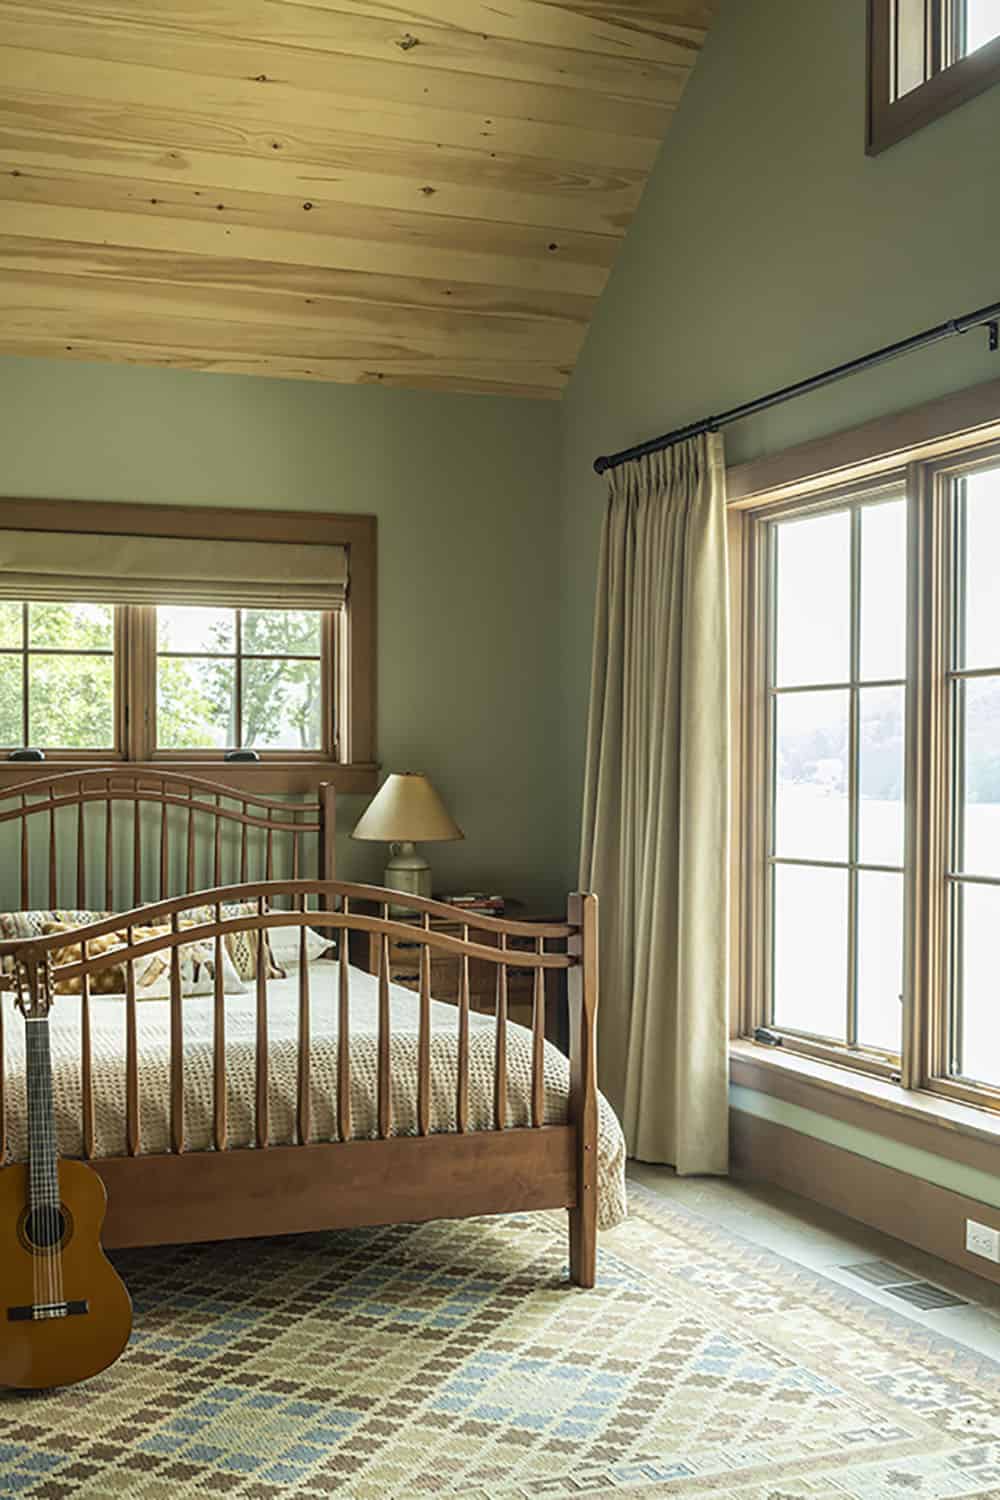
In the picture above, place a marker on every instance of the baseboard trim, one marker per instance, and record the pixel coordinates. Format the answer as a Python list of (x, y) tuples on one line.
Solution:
[(919, 1213)]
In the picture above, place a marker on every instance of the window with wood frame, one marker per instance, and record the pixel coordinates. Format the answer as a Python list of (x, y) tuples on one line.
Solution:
[(925, 57), (148, 635), (871, 789)]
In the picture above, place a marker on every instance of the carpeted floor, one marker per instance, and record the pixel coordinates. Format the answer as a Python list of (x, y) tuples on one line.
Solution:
[(453, 1360)]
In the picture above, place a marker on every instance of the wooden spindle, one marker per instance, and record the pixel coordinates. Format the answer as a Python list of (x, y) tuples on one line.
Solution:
[(86, 1064), (269, 857), (109, 849), (344, 1037), (189, 869), (219, 1125), (131, 1057), (25, 872), (81, 854), (217, 854), (295, 853), (424, 1038), (176, 1045), (462, 1099), (305, 1034), (164, 848), (243, 847), (384, 1040), (53, 902), (500, 1068), (538, 1042), (137, 848), (261, 1112)]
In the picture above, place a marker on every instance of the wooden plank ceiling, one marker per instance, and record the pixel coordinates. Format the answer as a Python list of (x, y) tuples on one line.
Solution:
[(427, 194)]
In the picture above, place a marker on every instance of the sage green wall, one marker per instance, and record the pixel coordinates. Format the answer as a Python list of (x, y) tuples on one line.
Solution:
[(767, 247), (464, 490)]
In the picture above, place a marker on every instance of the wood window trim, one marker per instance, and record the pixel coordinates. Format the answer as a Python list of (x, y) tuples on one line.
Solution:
[(926, 1120), (949, 82), (355, 770), (924, 446)]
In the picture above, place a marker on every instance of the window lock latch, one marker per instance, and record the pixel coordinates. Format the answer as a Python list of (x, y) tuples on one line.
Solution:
[(767, 1038)]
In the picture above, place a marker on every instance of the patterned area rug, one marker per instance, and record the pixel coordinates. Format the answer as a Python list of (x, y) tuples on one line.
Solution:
[(452, 1360)]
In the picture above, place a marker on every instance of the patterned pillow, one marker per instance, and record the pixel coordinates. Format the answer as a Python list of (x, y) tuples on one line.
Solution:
[(152, 971), (32, 924), (243, 947)]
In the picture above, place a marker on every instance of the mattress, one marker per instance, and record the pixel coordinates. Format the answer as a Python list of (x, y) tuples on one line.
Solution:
[(108, 1051)]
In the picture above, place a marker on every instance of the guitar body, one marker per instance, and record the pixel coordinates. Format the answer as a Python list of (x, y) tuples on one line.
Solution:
[(37, 1353)]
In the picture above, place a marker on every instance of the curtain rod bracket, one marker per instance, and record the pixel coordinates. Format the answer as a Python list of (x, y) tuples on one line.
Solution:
[(994, 329)]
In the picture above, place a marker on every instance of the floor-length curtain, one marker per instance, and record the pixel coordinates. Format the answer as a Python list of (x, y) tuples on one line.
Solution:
[(655, 818)]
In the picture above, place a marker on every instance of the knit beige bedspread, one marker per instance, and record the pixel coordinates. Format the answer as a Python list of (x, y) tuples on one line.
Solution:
[(108, 1050)]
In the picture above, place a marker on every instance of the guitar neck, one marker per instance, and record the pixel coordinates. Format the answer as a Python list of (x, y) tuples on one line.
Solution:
[(42, 1153)]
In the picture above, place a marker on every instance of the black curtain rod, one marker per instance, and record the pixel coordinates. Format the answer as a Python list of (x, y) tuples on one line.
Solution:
[(984, 317)]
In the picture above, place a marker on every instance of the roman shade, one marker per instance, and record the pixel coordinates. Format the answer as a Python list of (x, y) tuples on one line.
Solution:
[(118, 569)]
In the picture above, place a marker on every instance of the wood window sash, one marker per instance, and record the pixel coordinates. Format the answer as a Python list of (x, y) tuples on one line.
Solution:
[(350, 763), (928, 471), (950, 80)]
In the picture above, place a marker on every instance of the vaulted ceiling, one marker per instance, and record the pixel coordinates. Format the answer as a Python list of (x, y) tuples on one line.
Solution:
[(424, 193)]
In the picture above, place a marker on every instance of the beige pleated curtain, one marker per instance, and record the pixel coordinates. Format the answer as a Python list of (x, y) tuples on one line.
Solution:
[(655, 819)]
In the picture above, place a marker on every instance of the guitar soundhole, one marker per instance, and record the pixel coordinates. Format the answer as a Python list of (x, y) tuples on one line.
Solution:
[(45, 1228)]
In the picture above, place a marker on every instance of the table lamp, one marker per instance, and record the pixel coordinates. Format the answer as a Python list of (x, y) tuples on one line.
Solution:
[(406, 811)]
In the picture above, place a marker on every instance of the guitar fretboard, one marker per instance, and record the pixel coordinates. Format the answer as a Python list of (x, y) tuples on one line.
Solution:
[(43, 1157)]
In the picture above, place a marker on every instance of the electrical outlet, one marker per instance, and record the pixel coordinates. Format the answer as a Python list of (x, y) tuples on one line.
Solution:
[(980, 1239)]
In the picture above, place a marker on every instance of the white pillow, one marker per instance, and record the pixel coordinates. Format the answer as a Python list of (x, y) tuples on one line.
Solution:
[(285, 945)]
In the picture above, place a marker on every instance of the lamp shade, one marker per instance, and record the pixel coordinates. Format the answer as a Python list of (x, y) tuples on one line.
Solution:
[(407, 809)]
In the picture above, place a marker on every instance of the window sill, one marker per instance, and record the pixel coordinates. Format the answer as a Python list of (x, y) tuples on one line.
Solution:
[(916, 1117), (268, 777)]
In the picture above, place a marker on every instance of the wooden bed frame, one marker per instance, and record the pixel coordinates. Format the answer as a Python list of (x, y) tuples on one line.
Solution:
[(184, 1196)]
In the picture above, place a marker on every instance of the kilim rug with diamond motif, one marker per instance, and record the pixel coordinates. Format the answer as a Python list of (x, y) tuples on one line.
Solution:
[(452, 1359)]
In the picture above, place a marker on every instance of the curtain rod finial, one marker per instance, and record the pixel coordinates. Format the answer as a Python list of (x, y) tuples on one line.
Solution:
[(600, 464)]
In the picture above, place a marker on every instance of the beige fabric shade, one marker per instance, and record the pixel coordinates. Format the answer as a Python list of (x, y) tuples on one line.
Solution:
[(407, 809), (88, 567)]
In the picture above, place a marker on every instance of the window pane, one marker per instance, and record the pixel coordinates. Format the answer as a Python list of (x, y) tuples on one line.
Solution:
[(813, 600), (982, 23), (880, 960), (982, 571), (810, 950), (979, 816), (11, 702), (71, 702), (11, 624), (281, 632), (881, 719), (811, 764), (282, 705), (202, 632), (883, 591), (71, 627), (195, 704), (978, 998)]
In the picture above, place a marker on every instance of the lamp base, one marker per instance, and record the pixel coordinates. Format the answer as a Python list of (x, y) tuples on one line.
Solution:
[(407, 871)]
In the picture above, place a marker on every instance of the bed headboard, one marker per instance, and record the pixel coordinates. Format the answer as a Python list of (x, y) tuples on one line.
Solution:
[(113, 837)]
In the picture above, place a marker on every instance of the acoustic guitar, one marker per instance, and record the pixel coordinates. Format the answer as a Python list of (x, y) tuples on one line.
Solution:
[(64, 1312)]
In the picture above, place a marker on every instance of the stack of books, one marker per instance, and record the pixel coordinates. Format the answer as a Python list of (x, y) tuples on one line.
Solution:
[(477, 902)]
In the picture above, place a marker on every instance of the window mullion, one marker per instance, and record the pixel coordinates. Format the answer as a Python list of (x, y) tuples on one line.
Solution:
[(853, 771), (25, 703)]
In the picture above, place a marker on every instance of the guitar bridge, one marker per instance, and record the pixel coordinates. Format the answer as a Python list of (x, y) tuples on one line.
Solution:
[(38, 1312)]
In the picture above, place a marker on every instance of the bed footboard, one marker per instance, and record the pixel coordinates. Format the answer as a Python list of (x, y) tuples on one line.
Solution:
[(228, 1191)]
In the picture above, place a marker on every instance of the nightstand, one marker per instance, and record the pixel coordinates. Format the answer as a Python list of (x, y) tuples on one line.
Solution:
[(404, 969)]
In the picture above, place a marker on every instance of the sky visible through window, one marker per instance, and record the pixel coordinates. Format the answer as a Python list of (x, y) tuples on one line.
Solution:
[(982, 23)]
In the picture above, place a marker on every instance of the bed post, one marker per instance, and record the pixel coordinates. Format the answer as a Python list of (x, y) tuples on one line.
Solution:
[(582, 985), (327, 854)]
